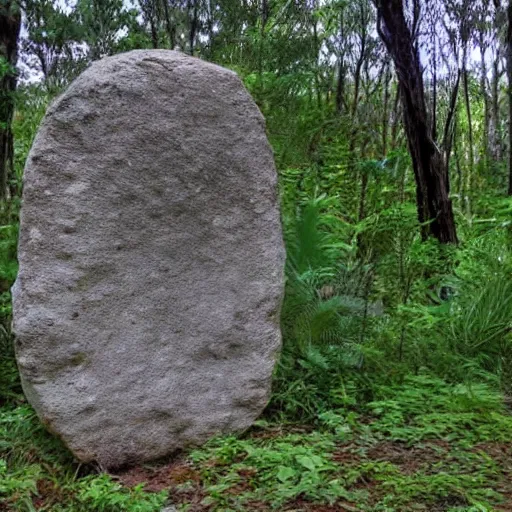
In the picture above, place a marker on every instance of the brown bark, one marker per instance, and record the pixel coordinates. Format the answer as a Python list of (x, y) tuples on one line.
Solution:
[(10, 23), (435, 211)]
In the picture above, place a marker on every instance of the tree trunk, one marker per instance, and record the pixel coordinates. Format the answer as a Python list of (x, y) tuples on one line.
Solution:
[(264, 17), (340, 88), (467, 103), (449, 129), (171, 29), (509, 76), (385, 113), (458, 166), (317, 46), (485, 97), (396, 117), (193, 17), (496, 137), (434, 94), (10, 23), (361, 58), (340, 85), (435, 211), (209, 26)]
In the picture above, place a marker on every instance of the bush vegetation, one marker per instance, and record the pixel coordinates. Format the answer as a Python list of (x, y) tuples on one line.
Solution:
[(392, 391)]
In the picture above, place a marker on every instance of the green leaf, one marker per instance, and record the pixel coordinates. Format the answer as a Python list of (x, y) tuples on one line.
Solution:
[(285, 473), (310, 463)]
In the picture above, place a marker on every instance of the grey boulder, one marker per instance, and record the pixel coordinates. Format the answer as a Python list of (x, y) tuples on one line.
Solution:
[(146, 308)]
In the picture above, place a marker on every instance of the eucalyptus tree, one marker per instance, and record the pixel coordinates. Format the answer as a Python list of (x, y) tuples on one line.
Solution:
[(152, 17), (51, 45), (169, 11), (435, 211), (100, 24)]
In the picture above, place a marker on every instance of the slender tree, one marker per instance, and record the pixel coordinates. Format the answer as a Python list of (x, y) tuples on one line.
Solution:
[(10, 22), (342, 71), (193, 24), (509, 76), (51, 43), (170, 26), (435, 211), (150, 14), (101, 21)]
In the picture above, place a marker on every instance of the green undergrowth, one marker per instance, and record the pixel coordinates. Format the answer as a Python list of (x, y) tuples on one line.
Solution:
[(392, 387), (422, 444)]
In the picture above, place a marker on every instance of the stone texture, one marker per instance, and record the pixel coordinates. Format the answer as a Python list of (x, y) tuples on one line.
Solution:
[(151, 259)]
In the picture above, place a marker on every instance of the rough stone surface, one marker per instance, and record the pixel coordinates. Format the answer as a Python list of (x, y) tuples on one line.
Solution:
[(151, 259)]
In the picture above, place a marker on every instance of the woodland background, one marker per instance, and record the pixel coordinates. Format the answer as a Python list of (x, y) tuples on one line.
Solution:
[(391, 126)]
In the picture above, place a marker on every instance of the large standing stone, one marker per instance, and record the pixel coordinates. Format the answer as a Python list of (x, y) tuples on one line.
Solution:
[(151, 259)]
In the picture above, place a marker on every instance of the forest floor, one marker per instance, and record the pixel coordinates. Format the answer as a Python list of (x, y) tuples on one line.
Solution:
[(359, 476), (423, 446)]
